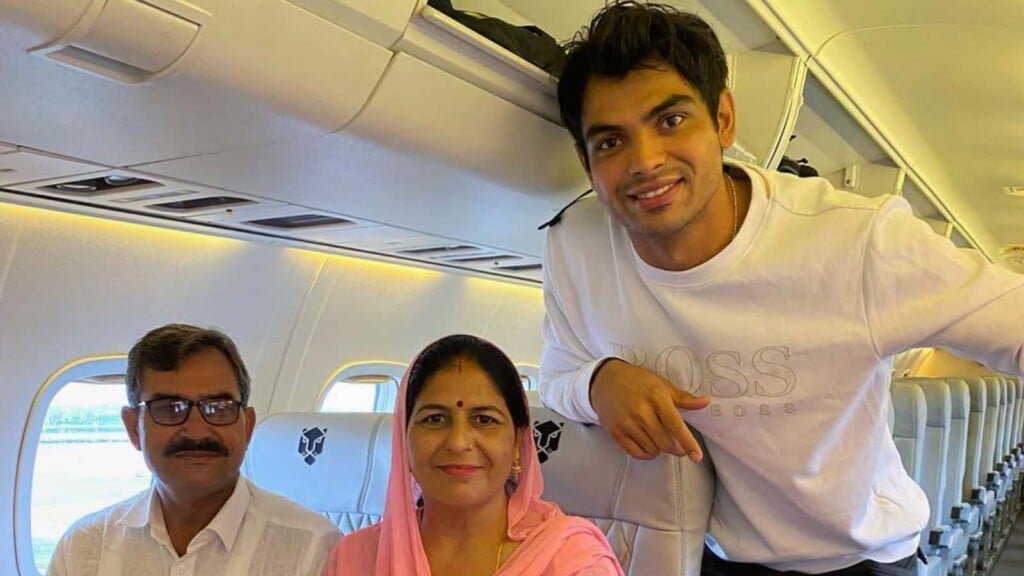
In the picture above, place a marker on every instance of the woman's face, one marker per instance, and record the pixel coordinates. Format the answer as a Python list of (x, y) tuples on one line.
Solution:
[(461, 437)]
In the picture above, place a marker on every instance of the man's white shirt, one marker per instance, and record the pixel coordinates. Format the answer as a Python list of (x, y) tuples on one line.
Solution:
[(255, 532)]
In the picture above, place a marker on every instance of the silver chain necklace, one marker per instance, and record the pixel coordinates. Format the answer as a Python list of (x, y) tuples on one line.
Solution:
[(735, 207)]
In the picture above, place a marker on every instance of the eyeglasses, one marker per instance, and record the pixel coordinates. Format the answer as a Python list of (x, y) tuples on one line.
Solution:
[(175, 411)]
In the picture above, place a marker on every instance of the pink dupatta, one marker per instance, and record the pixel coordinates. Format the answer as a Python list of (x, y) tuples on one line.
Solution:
[(550, 543)]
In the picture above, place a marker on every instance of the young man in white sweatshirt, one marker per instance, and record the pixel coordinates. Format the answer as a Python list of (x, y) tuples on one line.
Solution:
[(766, 306)]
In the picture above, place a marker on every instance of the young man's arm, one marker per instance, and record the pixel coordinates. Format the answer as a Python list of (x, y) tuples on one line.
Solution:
[(639, 409), (567, 367), (920, 290)]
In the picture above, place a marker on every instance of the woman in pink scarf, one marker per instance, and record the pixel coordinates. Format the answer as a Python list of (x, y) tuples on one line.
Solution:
[(462, 449)]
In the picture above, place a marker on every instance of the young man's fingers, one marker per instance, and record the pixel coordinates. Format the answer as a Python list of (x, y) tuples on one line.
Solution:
[(673, 421), (688, 401)]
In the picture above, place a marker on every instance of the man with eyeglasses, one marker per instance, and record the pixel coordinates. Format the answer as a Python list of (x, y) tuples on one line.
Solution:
[(188, 414)]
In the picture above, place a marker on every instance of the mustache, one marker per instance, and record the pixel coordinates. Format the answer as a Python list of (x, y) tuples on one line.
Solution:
[(201, 445)]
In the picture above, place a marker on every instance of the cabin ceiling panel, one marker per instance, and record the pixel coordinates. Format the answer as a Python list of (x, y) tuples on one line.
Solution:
[(429, 153), (944, 85), (368, 181), (19, 166)]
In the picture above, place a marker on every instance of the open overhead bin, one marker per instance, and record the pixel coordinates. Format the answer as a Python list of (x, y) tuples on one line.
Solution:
[(768, 90), (124, 82)]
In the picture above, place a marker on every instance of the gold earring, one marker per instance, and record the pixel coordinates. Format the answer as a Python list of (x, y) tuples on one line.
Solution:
[(517, 468)]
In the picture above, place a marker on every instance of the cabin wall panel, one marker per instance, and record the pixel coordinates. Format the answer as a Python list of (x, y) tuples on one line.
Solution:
[(75, 286), (368, 311)]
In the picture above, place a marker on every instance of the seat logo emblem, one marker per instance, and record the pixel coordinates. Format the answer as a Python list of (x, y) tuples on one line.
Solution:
[(547, 435), (311, 444)]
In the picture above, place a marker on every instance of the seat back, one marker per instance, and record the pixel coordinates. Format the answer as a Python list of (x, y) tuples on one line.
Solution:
[(334, 464), (1010, 423), (990, 439), (956, 468), (974, 474), (1015, 426), (910, 417), (654, 513), (1019, 436), (935, 450)]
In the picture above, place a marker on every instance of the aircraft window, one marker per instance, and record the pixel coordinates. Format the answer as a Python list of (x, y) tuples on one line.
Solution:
[(529, 375), (363, 388), (82, 443)]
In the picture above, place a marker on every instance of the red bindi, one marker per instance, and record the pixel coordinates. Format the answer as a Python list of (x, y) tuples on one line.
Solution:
[(459, 403)]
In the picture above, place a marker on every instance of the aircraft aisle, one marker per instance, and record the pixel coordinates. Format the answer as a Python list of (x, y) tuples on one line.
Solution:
[(1011, 563)]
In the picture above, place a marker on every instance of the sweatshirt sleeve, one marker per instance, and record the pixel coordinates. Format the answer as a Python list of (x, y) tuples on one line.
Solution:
[(920, 290), (566, 366)]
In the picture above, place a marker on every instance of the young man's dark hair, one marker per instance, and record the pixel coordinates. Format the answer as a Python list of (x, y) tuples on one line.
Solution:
[(166, 347), (625, 36)]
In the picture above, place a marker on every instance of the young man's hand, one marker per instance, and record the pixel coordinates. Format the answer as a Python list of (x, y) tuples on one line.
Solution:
[(641, 411)]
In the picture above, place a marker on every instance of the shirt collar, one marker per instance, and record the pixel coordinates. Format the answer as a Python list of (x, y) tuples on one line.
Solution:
[(139, 514), (146, 511), (227, 523)]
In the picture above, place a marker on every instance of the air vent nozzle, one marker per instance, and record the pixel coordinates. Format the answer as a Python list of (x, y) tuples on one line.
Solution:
[(445, 250), (520, 268), (101, 185), (495, 258), (299, 221), (193, 204)]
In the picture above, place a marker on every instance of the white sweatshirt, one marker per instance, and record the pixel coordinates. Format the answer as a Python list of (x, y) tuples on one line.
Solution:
[(791, 330)]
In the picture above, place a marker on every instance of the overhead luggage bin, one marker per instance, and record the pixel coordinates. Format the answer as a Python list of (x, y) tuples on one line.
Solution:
[(127, 40), (768, 90), (380, 21), (430, 152), (126, 82), (421, 109), (447, 45)]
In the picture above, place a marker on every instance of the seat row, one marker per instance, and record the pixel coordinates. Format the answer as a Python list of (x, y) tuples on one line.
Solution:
[(960, 439), (338, 464)]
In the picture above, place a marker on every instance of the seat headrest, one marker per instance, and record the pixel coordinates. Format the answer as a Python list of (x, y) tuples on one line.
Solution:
[(909, 404), (1011, 390), (959, 399), (936, 395), (589, 475), (979, 394), (994, 391), (937, 399), (330, 463)]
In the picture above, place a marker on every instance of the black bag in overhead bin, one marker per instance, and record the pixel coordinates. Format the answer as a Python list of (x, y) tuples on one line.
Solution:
[(528, 42)]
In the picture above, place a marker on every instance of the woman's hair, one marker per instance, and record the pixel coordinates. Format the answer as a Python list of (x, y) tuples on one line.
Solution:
[(444, 352)]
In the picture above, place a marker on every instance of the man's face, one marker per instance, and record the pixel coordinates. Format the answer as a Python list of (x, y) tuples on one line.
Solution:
[(194, 457), (654, 151)]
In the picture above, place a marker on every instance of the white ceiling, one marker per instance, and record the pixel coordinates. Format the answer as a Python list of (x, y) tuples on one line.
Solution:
[(939, 82), (943, 81)]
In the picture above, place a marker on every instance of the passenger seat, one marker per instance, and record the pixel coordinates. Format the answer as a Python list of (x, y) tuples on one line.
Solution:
[(338, 464)]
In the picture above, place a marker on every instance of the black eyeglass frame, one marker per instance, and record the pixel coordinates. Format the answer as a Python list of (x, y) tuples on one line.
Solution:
[(203, 405)]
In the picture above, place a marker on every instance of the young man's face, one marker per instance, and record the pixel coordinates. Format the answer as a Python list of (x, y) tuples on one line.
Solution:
[(654, 151)]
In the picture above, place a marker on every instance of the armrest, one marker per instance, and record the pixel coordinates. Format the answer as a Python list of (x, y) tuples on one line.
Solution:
[(940, 537), (966, 516)]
